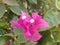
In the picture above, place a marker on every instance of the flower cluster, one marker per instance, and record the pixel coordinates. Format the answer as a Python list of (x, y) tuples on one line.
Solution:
[(30, 25)]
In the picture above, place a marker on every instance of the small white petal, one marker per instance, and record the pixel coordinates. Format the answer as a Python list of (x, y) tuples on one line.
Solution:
[(32, 21), (23, 17), (5, 10)]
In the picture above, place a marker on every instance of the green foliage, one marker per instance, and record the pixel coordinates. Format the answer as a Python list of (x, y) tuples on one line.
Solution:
[(46, 37), (10, 2), (2, 10), (16, 42), (31, 43), (49, 9), (52, 17), (58, 4), (20, 37), (2, 31), (56, 34), (3, 40), (33, 1), (15, 9)]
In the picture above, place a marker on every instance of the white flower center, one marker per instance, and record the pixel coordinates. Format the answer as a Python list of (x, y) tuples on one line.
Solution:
[(23, 17), (32, 21), (5, 10)]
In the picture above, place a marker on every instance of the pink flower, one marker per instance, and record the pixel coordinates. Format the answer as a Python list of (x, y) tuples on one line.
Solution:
[(39, 21), (30, 25), (32, 34), (22, 21)]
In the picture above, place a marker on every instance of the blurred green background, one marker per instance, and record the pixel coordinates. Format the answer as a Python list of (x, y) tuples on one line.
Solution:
[(11, 10)]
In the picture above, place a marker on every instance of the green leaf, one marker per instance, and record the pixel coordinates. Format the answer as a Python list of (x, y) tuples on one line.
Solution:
[(4, 24), (17, 31), (16, 42), (46, 37), (33, 1), (2, 31), (10, 35), (2, 10), (20, 35), (22, 38), (10, 2), (43, 29), (17, 9), (8, 15), (46, 29), (51, 43), (22, 7), (2, 40), (31, 43), (56, 34), (57, 2), (52, 17)]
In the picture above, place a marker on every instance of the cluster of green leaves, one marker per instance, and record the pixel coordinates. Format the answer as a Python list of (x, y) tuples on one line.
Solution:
[(11, 10)]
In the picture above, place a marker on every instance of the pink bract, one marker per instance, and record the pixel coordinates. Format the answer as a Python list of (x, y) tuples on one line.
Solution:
[(30, 25), (39, 21)]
